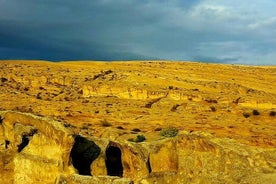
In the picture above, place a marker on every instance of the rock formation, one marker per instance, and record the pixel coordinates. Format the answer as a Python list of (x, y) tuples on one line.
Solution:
[(36, 150)]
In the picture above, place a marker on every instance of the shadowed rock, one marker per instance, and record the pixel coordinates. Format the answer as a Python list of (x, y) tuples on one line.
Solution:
[(83, 153)]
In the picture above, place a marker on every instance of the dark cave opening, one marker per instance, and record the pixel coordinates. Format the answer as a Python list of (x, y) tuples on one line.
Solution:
[(83, 153), (24, 142), (113, 161)]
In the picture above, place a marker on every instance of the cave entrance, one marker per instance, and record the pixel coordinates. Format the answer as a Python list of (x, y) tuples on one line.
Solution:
[(83, 153), (113, 161)]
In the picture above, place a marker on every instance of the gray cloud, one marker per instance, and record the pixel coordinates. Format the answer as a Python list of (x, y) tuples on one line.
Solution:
[(202, 30)]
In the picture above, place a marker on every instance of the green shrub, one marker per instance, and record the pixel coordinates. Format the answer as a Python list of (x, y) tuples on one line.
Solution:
[(139, 138), (169, 132)]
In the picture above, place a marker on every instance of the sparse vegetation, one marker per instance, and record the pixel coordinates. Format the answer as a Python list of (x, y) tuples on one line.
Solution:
[(255, 112), (105, 123), (246, 115), (169, 132), (139, 138)]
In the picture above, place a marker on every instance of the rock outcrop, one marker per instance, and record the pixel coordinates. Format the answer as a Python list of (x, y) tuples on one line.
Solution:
[(37, 149), (40, 150)]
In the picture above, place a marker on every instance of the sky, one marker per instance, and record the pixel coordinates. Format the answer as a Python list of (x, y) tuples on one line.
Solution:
[(221, 31)]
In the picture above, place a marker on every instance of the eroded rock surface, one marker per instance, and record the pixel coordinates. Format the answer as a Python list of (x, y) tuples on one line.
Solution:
[(33, 149), (53, 154)]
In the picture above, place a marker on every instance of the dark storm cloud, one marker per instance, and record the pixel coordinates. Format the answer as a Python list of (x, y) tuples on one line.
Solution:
[(206, 30)]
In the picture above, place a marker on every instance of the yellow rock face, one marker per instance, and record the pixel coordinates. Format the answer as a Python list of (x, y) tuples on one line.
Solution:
[(59, 121), (164, 157), (39, 148)]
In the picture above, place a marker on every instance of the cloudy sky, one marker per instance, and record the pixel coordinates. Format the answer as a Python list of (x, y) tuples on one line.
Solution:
[(225, 31)]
